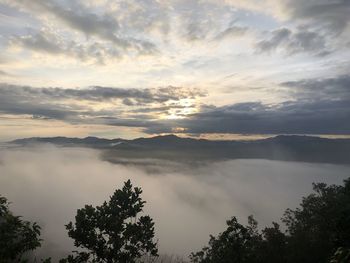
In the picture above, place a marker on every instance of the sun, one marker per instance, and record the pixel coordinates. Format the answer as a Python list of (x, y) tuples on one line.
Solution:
[(180, 109)]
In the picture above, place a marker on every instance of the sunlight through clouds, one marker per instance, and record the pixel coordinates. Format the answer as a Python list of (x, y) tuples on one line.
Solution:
[(233, 51)]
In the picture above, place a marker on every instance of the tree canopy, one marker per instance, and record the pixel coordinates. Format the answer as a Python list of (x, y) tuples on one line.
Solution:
[(17, 236), (317, 232), (113, 232)]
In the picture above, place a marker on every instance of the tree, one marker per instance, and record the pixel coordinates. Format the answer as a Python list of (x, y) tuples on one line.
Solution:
[(113, 232), (320, 225), (316, 232), (342, 255), (237, 243), (17, 236), (274, 245)]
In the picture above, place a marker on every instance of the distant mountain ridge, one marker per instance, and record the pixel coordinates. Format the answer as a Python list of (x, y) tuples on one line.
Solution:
[(281, 147), (67, 141)]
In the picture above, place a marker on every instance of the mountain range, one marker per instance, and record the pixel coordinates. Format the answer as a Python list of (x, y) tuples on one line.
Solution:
[(171, 147)]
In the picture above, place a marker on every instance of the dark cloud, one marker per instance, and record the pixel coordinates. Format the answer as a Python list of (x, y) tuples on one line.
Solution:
[(321, 28), (24, 100), (142, 122), (97, 93), (336, 87), (62, 104), (321, 107), (331, 15), (293, 117), (300, 41), (36, 109)]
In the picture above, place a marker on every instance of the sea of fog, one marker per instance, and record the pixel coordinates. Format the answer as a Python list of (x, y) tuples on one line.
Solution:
[(47, 184)]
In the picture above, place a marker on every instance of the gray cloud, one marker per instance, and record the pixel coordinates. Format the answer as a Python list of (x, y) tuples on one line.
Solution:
[(79, 18), (309, 114), (336, 87), (300, 41), (292, 117), (59, 103), (98, 93), (332, 15), (4, 73), (17, 103), (49, 43), (144, 16), (321, 107), (201, 20), (146, 123), (278, 37), (39, 42), (322, 28), (232, 31)]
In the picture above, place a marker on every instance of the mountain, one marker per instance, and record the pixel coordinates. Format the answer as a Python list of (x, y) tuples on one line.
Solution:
[(171, 147), (92, 142)]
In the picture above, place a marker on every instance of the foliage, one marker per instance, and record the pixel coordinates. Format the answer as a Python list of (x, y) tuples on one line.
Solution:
[(313, 233), (17, 236), (112, 232), (342, 255), (237, 243)]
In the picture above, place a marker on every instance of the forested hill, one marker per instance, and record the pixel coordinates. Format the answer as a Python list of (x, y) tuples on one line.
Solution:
[(282, 147)]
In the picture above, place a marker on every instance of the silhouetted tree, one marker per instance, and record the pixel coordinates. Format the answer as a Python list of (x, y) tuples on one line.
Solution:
[(320, 225), (237, 243), (17, 236), (112, 232), (314, 232), (274, 245)]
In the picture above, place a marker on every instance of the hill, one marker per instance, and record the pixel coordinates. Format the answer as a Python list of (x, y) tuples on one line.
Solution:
[(171, 147)]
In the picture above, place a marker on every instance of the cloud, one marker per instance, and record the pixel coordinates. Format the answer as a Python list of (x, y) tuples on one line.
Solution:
[(143, 16), (39, 110), (332, 15), (187, 203), (278, 37), (77, 17), (300, 41), (290, 117), (194, 25), (39, 42), (48, 43), (4, 73), (105, 30), (319, 106), (97, 93), (336, 87), (67, 104), (232, 31)]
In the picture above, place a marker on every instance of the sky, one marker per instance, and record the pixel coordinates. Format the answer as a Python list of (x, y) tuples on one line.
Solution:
[(201, 68)]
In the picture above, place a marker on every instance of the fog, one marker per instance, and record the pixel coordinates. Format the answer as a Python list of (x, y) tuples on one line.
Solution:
[(47, 184)]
